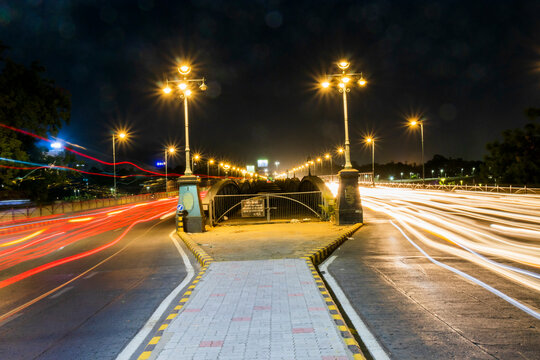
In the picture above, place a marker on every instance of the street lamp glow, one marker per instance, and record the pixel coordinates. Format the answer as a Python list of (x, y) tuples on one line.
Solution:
[(362, 81), (343, 64), (327, 156), (182, 86), (345, 79), (122, 135), (167, 90), (325, 84), (211, 161), (340, 150), (184, 69), (172, 149), (56, 145), (187, 93), (369, 140), (341, 85)]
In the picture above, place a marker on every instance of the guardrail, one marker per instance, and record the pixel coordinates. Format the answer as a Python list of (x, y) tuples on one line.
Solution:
[(63, 207), (484, 188)]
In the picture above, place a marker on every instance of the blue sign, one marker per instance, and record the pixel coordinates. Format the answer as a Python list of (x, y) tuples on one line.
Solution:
[(160, 163), (180, 207)]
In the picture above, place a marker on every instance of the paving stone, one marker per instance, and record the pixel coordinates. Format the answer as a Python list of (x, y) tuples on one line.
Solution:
[(261, 309)]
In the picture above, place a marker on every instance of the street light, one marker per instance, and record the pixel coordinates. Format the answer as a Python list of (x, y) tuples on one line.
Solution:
[(196, 157), (319, 160), (327, 156), (122, 135), (344, 81), (370, 140), (208, 163), (184, 91), (413, 122), (170, 150)]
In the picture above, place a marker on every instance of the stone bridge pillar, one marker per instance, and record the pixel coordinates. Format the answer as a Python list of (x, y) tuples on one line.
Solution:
[(348, 204), (189, 200)]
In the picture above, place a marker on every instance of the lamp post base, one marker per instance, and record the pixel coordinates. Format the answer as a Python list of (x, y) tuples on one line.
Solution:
[(348, 204), (189, 201)]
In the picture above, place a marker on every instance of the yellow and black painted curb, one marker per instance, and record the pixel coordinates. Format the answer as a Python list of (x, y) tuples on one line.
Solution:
[(147, 352), (344, 330), (202, 257), (318, 255)]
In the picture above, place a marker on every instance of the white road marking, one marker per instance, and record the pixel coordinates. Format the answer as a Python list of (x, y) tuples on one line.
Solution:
[(375, 349), (91, 274), (472, 278), (63, 291), (134, 344), (163, 217)]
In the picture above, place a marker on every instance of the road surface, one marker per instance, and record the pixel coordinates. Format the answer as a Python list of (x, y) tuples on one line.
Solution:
[(446, 275), (82, 286)]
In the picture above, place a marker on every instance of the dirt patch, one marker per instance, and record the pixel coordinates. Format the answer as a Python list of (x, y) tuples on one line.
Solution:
[(266, 241)]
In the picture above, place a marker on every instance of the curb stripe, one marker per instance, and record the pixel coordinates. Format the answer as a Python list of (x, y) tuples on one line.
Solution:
[(317, 256), (147, 352)]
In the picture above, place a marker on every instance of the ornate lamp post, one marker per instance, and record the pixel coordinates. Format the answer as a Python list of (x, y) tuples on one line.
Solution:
[(349, 208), (188, 198), (184, 91)]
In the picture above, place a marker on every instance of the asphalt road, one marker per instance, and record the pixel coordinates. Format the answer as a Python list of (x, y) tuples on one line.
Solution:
[(446, 275), (85, 291)]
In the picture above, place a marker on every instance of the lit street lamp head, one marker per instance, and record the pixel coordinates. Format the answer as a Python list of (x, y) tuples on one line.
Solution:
[(167, 90), (325, 84), (184, 69), (369, 140), (362, 81), (172, 150), (122, 135), (343, 64), (182, 86), (187, 92)]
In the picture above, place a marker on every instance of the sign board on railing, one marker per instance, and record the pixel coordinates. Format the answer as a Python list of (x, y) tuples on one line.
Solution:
[(253, 207)]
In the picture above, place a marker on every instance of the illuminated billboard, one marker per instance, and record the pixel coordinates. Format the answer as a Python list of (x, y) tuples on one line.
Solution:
[(250, 168), (262, 163)]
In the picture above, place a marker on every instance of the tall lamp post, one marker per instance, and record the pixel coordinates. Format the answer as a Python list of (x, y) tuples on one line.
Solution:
[(329, 157), (348, 206), (344, 86), (208, 163), (122, 136), (189, 199), (170, 150), (370, 140), (184, 92), (413, 122)]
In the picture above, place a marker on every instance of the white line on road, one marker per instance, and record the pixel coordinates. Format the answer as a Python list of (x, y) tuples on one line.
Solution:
[(92, 274), (134, 344), (163, 217), (371, 343), (63, 291), (489, 288)]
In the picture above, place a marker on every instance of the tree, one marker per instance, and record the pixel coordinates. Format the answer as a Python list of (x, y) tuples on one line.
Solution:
[(31, 102), (515, 160)]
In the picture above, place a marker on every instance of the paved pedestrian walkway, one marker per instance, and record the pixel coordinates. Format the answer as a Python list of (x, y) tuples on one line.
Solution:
[(261, 309)]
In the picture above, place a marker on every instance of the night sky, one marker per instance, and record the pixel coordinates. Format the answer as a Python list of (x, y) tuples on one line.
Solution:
[(470, 67)]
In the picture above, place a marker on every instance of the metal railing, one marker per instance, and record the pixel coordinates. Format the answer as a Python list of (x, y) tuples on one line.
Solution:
[(484, 188), (63, 207), (267, 207)]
